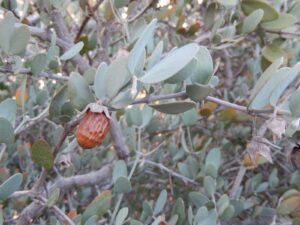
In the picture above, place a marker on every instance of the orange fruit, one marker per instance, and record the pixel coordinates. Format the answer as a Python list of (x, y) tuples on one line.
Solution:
[(92, 129)]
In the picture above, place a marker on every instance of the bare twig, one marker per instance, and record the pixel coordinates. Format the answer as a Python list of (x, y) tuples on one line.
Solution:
[(140, 12), (171, 172), (41, 74)]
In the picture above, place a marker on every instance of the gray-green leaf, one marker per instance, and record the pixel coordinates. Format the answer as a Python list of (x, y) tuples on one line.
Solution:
[(74, 50)]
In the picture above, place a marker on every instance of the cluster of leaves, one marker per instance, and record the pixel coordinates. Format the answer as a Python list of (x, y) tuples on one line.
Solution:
[(154, 67)]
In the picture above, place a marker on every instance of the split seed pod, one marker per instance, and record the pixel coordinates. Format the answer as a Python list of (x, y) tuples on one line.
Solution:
[(92, 129)]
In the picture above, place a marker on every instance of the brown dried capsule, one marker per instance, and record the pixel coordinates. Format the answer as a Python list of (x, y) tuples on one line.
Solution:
[(92, 129)]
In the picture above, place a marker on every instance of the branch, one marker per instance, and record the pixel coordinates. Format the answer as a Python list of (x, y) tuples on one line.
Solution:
[(171, 172), (118, 140), (93, 178), (28, 72), (183, 95), (87, 18), (89, 179), (140, 12)]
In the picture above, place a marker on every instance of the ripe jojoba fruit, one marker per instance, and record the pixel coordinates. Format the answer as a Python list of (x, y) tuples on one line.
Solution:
[(92, 129)]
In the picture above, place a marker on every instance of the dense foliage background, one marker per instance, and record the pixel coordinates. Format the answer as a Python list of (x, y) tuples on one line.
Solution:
[(204, 104)]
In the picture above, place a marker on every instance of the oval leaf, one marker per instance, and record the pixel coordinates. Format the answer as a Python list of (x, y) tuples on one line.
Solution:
[(6, 132), (283, 21), (116, 76), (11, 185), (204, 69), (122, 185), (139, 47), (120, 170), (72, 51), (270, 13), (41, 154), (121, 216), (8, 110), (174, 107), (251, 22), (160, 203), (198, 92), (79, 91), (171, 64), (98, 206), (294, 103), (99, 85), (19, 40)]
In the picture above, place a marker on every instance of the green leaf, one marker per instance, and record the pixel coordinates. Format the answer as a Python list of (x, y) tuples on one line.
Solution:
[(92, 220), (270, 13), (120, 170), (222, 204), (139, 47), (179, 209), (184, 73), (213, 159), (11, 185), (116, 76), (89, 75), (173, 62), (53, 198), (38, 63), (67, 112), (6, 132), (228, 213), (156, 55), (283, 21), (295, 10), (272, 52), (251, 22), (228, 2), (201, 214), (198, 92), (120, 3), (121, 216), (42, 154), (99, 83), (8, 110), (289, 204), (294, 103), (210, 185), (6, 31), (99, 206), (284, 83), (56, 104), (122, 185), (79, 91), (265, 77), (204, 69), (123, 99), (74, 50), (174, 107), (135, 222), (19, 40), (210, 219), (198, 199), (190, 117), (160, 202), (134, 116)]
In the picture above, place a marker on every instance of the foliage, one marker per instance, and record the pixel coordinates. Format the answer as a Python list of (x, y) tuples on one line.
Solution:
[(202, 98)]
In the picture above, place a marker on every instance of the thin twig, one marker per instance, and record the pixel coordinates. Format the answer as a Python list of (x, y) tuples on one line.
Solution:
[(41, 74), (174, 174)]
